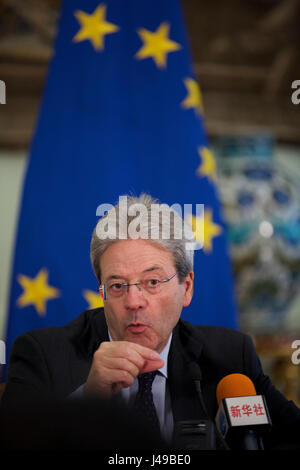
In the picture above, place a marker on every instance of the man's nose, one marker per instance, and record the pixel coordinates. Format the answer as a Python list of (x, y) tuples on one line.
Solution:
[(134, 297)]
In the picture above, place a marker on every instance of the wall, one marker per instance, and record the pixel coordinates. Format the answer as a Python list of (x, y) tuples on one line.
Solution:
[(12, 166)]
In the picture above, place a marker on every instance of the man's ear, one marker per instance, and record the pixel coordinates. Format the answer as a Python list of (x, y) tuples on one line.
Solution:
[(189, 288)]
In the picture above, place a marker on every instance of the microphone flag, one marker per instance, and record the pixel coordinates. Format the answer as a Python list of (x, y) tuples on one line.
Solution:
[(242, 412)]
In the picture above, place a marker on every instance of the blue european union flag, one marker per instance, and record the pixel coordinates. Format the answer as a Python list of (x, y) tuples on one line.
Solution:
[(121, 113)]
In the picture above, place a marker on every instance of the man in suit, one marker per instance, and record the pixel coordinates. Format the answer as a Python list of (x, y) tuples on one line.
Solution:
[(145, 282)]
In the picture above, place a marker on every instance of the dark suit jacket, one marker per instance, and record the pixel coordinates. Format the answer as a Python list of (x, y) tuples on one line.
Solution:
[(56, 361)]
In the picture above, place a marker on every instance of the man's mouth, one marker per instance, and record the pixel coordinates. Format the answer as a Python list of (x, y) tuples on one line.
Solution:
[(137, 327)]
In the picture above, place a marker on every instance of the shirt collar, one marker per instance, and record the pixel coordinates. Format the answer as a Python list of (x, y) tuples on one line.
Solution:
[(164, 356)]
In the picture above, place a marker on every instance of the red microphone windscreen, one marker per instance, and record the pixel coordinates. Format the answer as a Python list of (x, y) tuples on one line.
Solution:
[(235, 385)]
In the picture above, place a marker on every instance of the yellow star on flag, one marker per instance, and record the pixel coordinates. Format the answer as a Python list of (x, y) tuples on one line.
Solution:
[(157, 44), (93, 299), (205, 229), (207, 166), (94, 27), (194, 96), (36, 291)]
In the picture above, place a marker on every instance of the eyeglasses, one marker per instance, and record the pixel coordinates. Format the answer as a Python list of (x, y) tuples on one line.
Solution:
[(118, 289)]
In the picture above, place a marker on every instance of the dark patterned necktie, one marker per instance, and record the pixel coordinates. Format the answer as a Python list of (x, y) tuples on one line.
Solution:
[(144, 405)]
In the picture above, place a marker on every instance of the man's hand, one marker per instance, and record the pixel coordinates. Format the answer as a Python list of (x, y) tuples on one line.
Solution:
[(116, 364)]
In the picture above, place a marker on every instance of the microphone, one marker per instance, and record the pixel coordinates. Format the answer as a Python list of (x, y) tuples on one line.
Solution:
[(243, 416), (196, 375), (196, 434)]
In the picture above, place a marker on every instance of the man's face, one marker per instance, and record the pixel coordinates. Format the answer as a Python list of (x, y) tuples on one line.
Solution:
[(139, 316)]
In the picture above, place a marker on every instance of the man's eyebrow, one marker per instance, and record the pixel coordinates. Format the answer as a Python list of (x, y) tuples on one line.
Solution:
[(153, 268), (118, 276), (114, 276)]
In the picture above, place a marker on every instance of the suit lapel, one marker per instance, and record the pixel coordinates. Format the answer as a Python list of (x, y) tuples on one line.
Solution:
[(93, 333), (184, 399)]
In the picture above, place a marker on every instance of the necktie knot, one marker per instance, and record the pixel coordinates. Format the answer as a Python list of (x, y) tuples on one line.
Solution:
[(146, 381)]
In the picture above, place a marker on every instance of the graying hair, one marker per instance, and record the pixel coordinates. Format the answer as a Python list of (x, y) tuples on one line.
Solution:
[(162, 233)]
